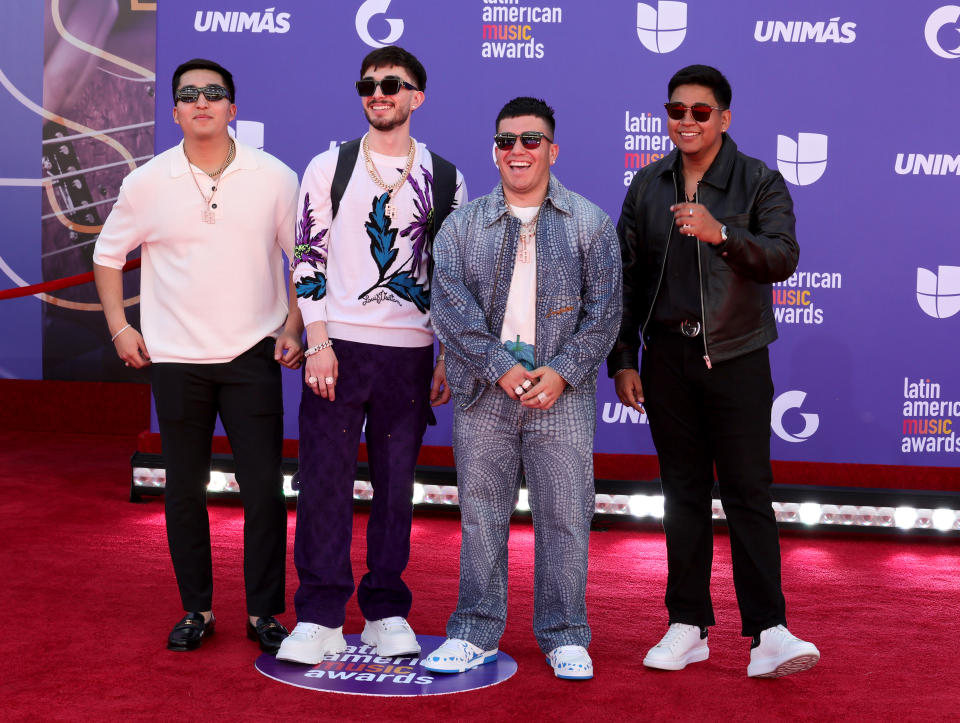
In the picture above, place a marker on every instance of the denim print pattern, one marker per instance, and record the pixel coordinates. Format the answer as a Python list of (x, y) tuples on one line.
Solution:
[(579, 293)]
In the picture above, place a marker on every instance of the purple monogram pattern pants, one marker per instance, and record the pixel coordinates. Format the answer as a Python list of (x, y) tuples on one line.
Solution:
[(389, 387)]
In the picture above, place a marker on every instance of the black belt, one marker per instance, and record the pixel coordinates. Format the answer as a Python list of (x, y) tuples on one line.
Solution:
[(687, 328)]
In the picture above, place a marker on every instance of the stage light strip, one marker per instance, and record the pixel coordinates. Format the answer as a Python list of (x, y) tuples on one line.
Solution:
[(648, 507)]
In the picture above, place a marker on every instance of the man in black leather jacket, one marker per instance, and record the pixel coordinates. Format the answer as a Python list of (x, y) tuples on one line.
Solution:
[(703, 234)]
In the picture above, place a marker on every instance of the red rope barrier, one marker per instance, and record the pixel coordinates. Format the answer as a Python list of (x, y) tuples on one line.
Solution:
[(58, 284)]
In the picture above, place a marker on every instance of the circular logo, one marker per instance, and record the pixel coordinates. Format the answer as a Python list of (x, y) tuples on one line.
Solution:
[(939, 18), (360, 671)]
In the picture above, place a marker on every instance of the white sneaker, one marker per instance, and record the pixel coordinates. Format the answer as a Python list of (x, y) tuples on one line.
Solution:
[(680, 646), (456, 656), (780, 653), (392, 637), (308, 643), (571, 662)]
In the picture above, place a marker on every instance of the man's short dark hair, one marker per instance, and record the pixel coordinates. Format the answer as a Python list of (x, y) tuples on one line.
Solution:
[(396, 56), (525, 105), (704, 75), (204, 64)]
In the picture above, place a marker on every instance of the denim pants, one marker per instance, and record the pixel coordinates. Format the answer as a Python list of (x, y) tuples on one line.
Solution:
[(496, 442)]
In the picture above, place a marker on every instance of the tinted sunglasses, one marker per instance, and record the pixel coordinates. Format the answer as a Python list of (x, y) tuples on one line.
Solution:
[(529, 140), (213, 93), (388, 86), (700, 111)]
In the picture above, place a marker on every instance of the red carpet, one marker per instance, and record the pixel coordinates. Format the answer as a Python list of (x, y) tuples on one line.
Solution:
[(89, 597)]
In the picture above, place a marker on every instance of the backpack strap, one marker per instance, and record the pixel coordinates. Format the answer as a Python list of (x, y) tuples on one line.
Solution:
[(346, 160), (444, 189)]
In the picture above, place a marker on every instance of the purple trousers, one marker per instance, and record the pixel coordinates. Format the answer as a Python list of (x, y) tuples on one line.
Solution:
[(390, 388)]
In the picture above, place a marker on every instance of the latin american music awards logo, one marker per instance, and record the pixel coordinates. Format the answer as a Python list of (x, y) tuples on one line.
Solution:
[(358, 670)]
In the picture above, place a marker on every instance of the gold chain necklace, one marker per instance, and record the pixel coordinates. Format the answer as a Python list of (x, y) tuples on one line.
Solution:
[(208, 214), (392, 188)]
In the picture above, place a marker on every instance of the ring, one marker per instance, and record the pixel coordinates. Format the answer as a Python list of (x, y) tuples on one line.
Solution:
[(328, 380), (518, 390), (527, 384), (691, 210), (312, 380), (542, 396), (126, 364)]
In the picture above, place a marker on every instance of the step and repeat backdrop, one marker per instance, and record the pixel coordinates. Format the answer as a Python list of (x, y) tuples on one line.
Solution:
[(856, 105)]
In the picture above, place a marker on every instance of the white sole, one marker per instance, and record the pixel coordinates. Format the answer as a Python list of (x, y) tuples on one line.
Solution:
[(787, 667), (488, 657), (694, 656), (330, 647)]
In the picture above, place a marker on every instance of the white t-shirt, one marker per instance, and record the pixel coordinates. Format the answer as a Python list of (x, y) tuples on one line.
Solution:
[(519, 330)]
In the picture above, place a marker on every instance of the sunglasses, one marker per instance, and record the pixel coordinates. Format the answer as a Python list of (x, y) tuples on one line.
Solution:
[(388, 86), (700, 111), (190, 93), (529, 139)]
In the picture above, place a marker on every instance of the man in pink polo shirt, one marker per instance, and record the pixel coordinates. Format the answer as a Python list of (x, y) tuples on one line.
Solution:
[(213, 219)]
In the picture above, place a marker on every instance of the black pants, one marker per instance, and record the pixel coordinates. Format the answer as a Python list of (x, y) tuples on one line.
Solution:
[(246, 392), (699, 418)]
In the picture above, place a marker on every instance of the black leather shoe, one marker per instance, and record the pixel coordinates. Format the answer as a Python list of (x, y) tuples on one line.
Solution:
[(268, 632), (189, 632)]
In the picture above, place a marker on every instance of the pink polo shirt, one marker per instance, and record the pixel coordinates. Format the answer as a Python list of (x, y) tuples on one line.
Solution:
[(208, 292)]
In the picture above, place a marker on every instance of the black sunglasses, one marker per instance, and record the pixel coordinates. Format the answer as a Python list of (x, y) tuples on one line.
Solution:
[(213, 93), (700, 111), (388, 86), (529, 139)]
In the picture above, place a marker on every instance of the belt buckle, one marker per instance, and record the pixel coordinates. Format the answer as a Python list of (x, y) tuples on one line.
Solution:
[(690, 328)]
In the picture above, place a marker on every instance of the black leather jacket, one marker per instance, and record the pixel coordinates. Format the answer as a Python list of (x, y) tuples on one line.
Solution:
[(735, 277)]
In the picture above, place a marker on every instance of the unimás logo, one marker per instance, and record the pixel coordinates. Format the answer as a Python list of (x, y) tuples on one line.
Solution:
[(939, 20), (804, 31), (236, 21), (661, 30), (804, 160), (927, 164), (785, 403), (938, 294), (366, 12)]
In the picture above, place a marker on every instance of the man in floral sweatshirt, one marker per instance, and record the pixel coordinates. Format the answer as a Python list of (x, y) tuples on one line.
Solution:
[(362, 273)]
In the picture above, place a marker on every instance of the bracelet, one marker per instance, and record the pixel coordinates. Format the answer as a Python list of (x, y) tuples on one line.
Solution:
[(441, 356), (122, 329), (318, 348)]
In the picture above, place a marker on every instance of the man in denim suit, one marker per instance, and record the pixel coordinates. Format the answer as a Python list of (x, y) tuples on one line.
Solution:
[(527, 301)]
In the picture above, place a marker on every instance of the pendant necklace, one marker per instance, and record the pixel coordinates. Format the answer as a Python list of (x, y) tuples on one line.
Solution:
[(528, 235), (392, 188), (208, 213)]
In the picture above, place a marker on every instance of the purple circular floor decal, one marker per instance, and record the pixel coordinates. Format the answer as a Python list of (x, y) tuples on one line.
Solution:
[(359, 671)]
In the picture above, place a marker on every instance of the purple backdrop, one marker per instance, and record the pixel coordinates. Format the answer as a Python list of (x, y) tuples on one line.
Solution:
[(865, 368)]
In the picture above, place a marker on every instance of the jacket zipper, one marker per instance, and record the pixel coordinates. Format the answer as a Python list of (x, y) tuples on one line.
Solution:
[(703, 309)]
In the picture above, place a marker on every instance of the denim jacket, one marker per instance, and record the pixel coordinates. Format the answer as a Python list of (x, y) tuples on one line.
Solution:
[(578, 290)]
